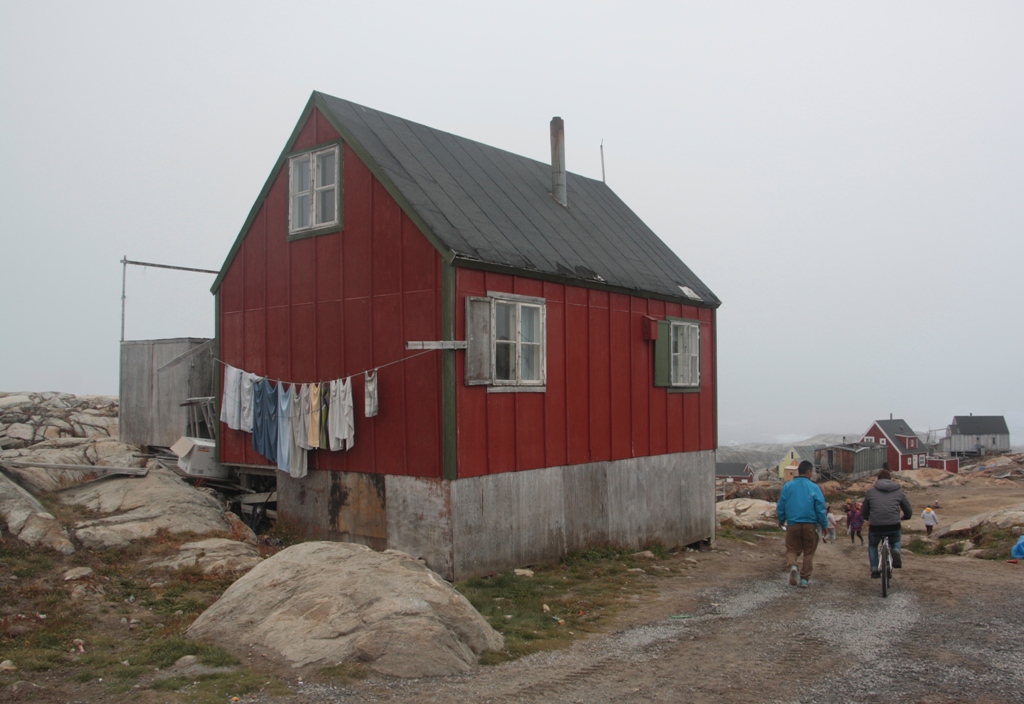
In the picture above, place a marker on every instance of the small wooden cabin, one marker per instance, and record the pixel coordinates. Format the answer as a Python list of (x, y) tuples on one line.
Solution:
[(851, 460), (546, 364), (976, 435)]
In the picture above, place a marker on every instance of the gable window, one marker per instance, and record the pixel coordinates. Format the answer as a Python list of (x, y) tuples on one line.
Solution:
[(677, 354), (505, 342), (313, 193)]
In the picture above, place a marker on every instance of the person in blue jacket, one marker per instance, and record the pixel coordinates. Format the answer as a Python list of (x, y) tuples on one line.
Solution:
[(801, 509)]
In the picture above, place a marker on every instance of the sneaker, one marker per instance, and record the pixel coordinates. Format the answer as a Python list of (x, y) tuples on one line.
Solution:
[(876, 575), (794, 574), (897, 559), (804, 583)]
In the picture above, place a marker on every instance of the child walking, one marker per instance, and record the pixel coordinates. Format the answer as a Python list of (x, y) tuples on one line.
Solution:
[(830, 535), (855, 523)]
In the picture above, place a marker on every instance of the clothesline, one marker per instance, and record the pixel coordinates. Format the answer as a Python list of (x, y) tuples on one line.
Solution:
[(371, 369)]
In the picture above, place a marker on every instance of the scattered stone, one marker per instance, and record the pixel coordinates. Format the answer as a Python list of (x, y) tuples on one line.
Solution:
[(645, 554), (323, 603), (78, 592), (186, 661), (77, 573), (522, 572), (213, 555), (7, 666), (545, 608), (636, 569)]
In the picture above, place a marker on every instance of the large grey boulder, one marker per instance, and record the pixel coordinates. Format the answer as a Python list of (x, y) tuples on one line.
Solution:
[(88, 452), (1000, 519), (143, 506), (747, 514), (27, 519), (320, 604)]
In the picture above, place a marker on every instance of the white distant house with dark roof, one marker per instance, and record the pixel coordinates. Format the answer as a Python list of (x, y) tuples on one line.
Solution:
[(976, 435), (906, 451)]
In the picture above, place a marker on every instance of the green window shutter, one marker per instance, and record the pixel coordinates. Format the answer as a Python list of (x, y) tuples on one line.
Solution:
[(478, 340), (662, 354)]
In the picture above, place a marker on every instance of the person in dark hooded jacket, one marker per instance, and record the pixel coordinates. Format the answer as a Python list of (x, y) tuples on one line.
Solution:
[(885, 505)]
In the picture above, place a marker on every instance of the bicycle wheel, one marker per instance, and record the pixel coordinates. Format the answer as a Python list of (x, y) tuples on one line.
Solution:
[(884, 562)]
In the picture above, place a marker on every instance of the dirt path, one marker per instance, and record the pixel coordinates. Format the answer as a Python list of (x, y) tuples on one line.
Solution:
[(952, 631)]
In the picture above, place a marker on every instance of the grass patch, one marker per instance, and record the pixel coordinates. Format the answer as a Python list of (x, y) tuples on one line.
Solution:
[(581, 594), (344, 673), (216, 688), (166, 651)]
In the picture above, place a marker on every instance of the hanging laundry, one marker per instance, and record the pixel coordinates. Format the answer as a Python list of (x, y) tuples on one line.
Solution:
[(313, 437), (342, 427), (297, 462), (325, 410), (371, 394), (284, 426), (248, 384), (231, 399), (269, 421), (259, 431), (300, 422)]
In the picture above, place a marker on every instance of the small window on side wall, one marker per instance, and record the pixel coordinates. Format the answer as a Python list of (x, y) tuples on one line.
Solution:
[(313, 194), (505, 342), (677, 355)]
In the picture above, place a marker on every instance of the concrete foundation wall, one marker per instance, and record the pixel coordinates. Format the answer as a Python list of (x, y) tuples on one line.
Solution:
[(487, 524)]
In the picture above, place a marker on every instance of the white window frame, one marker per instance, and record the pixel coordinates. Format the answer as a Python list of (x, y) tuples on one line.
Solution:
[(316, 186), (518, 302), (691, 334)]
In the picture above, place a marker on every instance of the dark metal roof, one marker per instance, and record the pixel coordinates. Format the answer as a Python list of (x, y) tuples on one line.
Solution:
[(979, 425), (732, 469), (897, 427), (492, 207)]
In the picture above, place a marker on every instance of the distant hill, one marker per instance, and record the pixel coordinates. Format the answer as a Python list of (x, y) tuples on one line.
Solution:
[(765, 455)]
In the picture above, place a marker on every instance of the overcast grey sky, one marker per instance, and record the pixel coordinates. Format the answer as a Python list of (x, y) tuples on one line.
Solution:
[(847, 177)]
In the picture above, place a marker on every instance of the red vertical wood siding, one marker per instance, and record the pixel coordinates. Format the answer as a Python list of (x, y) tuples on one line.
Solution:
[(335, 305), (600, 401)]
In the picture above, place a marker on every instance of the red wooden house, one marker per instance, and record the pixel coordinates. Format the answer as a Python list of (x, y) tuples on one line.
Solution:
[(904, 447), (565, 393)]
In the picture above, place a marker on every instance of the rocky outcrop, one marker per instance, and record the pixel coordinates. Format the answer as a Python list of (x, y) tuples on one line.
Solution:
[(927, 478), (747, 514), (88, 452), (27, 519), (213, 555), (30, 418), (321, 604), (143, 506), (1001, 519)]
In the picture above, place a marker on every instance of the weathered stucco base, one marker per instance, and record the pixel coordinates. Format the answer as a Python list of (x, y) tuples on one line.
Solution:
[(483, 525)]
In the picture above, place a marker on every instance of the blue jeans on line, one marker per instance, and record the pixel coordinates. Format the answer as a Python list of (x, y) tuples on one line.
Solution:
[(875, 537)]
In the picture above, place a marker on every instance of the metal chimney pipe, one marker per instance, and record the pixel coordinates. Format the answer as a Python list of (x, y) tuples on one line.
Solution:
[(558, 190)]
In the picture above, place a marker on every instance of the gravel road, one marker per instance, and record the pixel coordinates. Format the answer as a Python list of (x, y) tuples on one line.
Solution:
[(952, 631)]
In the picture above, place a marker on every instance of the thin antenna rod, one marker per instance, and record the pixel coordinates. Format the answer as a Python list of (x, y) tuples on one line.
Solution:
[(125, 261), (602, 161), (124, 281)]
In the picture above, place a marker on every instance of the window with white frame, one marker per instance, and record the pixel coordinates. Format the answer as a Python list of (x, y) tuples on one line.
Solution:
[(677, 354), (313, 193), (505, 341)]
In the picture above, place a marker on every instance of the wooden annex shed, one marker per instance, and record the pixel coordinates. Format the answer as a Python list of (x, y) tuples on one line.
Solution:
[(573, 401)]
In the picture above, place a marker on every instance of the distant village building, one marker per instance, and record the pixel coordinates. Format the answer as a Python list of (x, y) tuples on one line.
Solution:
[(850, 460), (905, 449), (793, 457), (950, 464), (734, 472), (976, 435)]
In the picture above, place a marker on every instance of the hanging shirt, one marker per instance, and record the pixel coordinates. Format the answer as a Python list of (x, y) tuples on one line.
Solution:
[(248, 384), (259, 432), (300, 418), (297, 453), (325, 410), (313, 437), (284, 426), (231, 399), (270, 410), (371, 394), (342, 427)]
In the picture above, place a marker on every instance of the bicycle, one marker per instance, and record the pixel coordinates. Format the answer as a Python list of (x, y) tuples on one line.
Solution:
[(885, 564)]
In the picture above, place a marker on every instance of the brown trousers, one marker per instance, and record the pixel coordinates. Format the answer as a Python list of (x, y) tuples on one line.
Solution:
[(801, 538)]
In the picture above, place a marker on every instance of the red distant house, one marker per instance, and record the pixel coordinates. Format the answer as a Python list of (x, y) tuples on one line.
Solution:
[(565, 393), (905, 449), (734, 472)]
